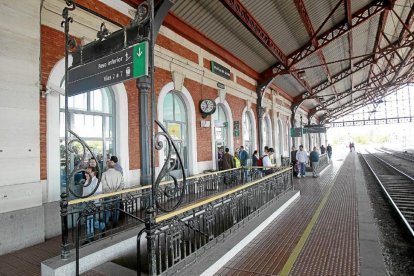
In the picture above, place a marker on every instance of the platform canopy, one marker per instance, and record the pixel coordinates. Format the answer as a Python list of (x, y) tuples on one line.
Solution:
[(331, 56)]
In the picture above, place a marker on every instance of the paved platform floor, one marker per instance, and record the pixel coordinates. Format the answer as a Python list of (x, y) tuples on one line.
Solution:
[(328, 231), (27, 261)]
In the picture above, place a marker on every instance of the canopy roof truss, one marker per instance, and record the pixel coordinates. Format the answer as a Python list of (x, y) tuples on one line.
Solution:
[(330, 56)]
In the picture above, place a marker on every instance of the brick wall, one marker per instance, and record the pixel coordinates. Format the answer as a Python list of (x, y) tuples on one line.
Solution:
[(52, 44), (246, 84), (200, 92), (173, 46)]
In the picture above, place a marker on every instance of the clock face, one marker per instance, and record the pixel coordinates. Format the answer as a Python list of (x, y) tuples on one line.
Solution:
[(208, 106)]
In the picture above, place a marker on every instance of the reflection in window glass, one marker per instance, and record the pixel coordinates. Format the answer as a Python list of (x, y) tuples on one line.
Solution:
[(168, 106), (248, 132), (78, 102), (91, 117), (96, 101), (175, 120), (87, 125), (62, 124), (108, 127)]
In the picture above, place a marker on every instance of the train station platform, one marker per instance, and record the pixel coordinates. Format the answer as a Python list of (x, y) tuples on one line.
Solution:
[(329, 230)]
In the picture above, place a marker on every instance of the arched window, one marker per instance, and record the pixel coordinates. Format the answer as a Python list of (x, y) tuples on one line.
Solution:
[(281, 136), (92, 118), (248, 135), (267, 132), (175, 121), (221, 134)]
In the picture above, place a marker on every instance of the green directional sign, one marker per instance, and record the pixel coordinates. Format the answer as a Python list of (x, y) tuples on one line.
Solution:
[(140, 61), (126, 64), (296, 132)]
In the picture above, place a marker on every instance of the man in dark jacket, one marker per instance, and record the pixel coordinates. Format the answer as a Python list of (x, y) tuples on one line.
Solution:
[(228, 162), (294, 161), (314, 159)]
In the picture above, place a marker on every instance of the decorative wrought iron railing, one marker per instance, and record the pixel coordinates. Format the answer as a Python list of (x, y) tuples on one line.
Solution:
[(285, 161), (181, 234), (232, 195), (105, 214), (323, 161)]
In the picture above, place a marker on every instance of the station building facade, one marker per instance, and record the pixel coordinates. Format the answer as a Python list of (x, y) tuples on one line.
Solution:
[(32, 108)]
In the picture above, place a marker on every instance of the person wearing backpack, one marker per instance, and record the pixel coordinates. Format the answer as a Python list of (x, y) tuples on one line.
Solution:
[(255, 159)]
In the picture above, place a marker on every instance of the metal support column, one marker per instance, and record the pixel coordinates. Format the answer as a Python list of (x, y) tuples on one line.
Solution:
[(144, 86)]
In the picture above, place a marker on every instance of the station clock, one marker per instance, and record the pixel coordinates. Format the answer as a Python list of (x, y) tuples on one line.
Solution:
[(207, 107)]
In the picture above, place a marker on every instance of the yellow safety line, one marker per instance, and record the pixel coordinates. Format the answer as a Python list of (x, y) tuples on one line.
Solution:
[(299, 246)]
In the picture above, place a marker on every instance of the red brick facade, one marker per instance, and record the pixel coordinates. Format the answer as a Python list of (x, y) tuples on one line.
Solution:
[(246, 84), (52, 45), (173, 46)]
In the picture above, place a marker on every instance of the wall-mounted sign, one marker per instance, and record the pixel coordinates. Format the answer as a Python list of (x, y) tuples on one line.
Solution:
[(296, 132), (221, 85), (236, 128), (220, 70), (314, 129), (118, 67)]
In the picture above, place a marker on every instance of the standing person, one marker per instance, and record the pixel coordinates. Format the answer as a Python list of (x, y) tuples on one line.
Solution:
[(323, 149), (117, 167), (112, 181), (329, 151), (294, 161), (228, 162), (314, 159), (89, 186), (237, 162), (271, 156), (302, 157), (220, 158), (266, 162), (255, 158), (243, 156)]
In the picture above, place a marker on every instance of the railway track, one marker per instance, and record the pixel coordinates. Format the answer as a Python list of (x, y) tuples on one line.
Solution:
[(400, 154), (396, 185)]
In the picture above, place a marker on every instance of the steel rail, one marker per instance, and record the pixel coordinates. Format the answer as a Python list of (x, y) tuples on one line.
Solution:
[(384, 189), (396, 154)]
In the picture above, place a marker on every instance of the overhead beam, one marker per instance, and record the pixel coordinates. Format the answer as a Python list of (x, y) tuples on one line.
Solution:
[(364, 86), (359, 66), (339, 30), (348, 13), (342, 28), (381, 25), (301, 8), (249, 21)]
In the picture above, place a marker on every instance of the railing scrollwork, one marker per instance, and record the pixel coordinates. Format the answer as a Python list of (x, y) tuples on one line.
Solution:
[(174, 191), (79, 168)]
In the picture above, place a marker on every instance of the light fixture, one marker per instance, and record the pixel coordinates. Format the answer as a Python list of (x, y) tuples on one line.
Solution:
[(301, 75)]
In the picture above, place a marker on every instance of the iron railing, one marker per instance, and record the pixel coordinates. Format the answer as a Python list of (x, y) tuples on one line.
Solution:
[(181, 234), (98, 216)]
